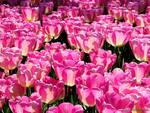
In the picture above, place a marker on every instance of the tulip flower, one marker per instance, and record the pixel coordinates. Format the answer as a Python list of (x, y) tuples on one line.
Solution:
[(118, 77), (90, 41), (26, 44), (148, 10), (114, 103), (6, 40), (52, 30), (54, 47), (129, 16), (68, 71), (118, 36), (73, 12), (140, 47), (30, 14), (104, 58), (10, 58), (116, 12), (139, 71), (14, 89), (90, 14), (70, 23), (2, 100), (91, 87), (142, 20), (63, 108), (104, 19), (28, 73), (49, 89), (139, 95), (46, 7), (25, 104)]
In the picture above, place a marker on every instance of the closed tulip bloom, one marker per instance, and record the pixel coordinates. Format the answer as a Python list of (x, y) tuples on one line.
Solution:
[(104, 58), (139, 71), (50, 89), (66, 108), (140, 47), (30, 14), (26, 104)]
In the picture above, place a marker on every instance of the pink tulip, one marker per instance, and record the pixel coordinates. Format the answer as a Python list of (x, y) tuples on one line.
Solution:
[(50, 89), (54, 47), (104, 19), (133, 6), (28, 73), (14, 89), (2, 100), (129, 16), (114, 103), (118, 36), (45, 8), (70, 23), (140, 97), (148, 10), (93, 68), (139, 71), (63, 10), (52, 30), (91, 87), (68, 70), (63, 108), (90, 14), (26, 44), (86, 4), (90, 41), (73, 12), (140, 47), (73, 41), (142, 20), (41, 59), (68, 54), (26, 104), (10, 58), (116, 12), (30, 14), (104, 58), (6, 40), (117, 77)]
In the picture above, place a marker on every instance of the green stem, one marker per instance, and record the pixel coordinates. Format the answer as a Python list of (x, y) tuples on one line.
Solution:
[(45, 107), (70, 94), (28, 91)]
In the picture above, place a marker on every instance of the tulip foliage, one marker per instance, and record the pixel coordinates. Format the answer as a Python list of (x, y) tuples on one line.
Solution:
[(75, 56)]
